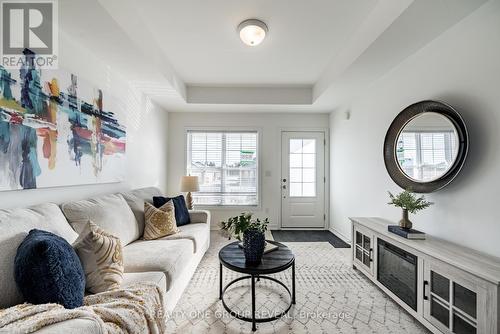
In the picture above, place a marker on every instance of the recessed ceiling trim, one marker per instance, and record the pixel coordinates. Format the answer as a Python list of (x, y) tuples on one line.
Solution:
[(129, 18), (249, 95), (377, 21)]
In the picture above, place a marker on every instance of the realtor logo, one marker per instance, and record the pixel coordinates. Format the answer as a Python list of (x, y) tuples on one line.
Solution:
[(29, 25)]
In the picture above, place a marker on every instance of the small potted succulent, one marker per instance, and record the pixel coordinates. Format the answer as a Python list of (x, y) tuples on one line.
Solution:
[(253, 232), (409, 202)]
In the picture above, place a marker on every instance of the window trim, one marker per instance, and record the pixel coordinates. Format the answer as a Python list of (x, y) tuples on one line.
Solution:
[(259, 131)]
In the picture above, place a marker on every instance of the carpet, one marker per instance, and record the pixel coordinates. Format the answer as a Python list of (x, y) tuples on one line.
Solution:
[(331, 298)]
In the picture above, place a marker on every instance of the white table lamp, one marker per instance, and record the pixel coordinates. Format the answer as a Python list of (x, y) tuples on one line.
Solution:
[(189, 184)]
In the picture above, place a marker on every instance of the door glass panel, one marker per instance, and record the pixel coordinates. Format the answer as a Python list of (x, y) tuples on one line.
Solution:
[(308, 175), (309, 146), (302, 163), (296, 175), (295, 189), (308, 189), (309, 160), (295, 160), (359, 254), (295, 145), (460, 326), (366, 259), (359, 237), (366, 243), (440, 286), (439, 312), (464, 299)]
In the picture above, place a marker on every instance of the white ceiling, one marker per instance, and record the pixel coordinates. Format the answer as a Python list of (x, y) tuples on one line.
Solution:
[(187, 56), (202, 44)]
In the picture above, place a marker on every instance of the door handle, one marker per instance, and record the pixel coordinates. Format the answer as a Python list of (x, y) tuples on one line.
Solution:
[(426, 283), (284, 186)]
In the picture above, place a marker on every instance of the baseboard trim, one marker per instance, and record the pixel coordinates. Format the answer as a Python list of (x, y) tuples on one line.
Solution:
[(340, 235)]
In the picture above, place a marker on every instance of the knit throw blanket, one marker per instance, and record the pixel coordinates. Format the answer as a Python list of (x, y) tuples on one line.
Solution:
[(137, 309)]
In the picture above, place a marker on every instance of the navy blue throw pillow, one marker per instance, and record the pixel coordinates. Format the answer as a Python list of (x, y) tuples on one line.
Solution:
[(48, 270), (181, 211)]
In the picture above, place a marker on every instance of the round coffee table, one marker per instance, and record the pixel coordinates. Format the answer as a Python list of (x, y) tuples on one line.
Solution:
[(232, 257)]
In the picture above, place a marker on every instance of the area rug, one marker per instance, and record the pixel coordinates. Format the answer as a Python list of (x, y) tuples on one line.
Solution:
[(331, 297)]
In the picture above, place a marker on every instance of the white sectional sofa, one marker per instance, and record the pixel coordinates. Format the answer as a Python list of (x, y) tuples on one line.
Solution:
[(169, 261)]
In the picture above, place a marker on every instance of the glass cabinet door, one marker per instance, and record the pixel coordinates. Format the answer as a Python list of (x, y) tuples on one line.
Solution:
[(450, 302), (363, 247), (464, 310)]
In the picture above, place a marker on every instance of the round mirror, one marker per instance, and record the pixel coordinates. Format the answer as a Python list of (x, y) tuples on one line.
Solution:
[(425, 146)]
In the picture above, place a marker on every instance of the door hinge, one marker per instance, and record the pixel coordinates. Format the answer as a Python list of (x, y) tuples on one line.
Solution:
[(324, 216), (324, 142), (324, 179)]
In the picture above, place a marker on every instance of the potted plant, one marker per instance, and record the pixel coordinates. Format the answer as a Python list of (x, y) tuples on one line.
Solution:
[(409, 202), (253, 232)]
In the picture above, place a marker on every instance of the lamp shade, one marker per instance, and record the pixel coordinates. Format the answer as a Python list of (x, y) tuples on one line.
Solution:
[(189, 183)]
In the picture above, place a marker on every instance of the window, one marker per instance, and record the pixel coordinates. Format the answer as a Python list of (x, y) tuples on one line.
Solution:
[(227, 166), (302, 167), (426, 155)]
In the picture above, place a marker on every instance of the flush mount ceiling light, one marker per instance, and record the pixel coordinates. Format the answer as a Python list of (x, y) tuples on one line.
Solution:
[(252, 32)]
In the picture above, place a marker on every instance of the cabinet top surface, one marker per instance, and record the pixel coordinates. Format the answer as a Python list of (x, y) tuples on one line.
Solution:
[(482, 265)]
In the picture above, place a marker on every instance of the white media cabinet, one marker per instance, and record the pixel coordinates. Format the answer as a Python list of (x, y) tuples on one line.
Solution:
[(457, 287)]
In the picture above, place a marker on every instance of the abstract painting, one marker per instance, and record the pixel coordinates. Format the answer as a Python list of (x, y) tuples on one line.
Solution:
[(50, 137)]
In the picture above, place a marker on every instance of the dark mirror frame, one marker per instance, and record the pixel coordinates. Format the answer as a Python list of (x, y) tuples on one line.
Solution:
[(397, 126)]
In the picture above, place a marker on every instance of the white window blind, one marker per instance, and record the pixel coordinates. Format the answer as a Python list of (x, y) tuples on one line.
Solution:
[(226, 164), (425, 155)]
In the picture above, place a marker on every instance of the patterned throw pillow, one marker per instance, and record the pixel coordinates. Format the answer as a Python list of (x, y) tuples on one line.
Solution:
[(159, 222), (102, 258), (181, 210)]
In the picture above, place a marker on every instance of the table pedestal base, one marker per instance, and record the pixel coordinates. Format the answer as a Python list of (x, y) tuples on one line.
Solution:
[(253, 319)]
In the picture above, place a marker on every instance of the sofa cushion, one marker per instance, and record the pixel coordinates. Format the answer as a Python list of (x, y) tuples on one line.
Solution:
[(148, 276), (101, 255), (198, 233), (181, 211), (47, 270), (167, 256), (15, 225), (109, 212), (136, 198)]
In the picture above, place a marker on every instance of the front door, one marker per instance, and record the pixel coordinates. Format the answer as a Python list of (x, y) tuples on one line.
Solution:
[(303, 179)]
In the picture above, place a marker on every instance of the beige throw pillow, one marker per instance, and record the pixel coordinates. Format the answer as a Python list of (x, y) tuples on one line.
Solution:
[(101, 256), (159, 222)]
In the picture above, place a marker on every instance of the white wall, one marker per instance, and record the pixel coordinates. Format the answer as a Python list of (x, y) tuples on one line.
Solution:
[(269, 124), (462, 68), (146, 132)]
